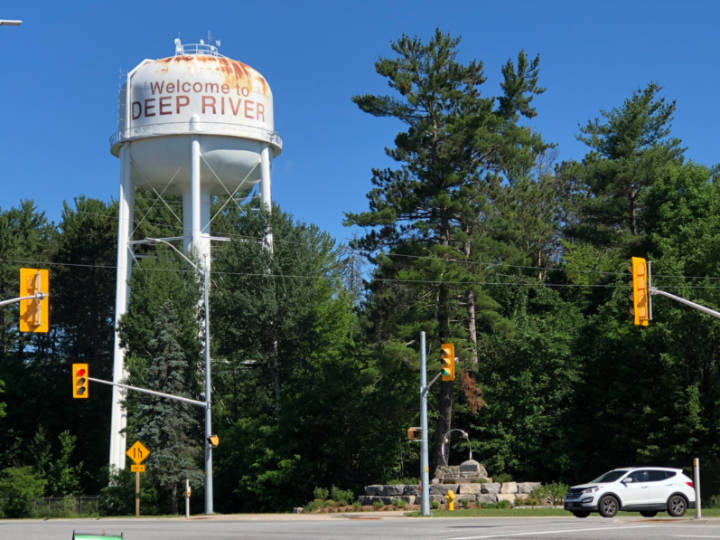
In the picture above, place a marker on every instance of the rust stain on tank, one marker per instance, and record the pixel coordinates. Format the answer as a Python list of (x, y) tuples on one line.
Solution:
[(234, 73)]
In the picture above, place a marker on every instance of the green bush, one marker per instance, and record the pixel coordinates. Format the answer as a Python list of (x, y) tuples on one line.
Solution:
[(118, 498), (342, 496), (320, 493), (20, 487), (465, 503), (498, 505), (503, 477), (403, 481), (315, 504), (434, 505), (378, 504), (356, 506), (329, 503), (551, 494)]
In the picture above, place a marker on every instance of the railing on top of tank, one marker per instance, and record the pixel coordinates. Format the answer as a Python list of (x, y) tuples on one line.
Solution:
[(201, 128), (201, 48)]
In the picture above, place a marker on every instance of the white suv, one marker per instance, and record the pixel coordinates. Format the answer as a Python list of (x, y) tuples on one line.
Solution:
[(647, 490)]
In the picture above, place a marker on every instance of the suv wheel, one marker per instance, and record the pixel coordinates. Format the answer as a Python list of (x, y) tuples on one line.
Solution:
[(677, 505), (608, 506)]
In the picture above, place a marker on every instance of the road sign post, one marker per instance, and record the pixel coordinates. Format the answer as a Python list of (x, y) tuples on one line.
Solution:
[(137, 452)]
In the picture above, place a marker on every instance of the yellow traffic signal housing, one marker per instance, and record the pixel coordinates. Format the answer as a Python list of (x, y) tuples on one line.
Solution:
[(413, 433), (81, 381), (640, 292), (34, 312), (447, 357), (214, 441)]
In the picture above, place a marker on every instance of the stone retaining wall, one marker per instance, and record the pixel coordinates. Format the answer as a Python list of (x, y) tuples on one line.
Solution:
[(480, 493), (469, 481)]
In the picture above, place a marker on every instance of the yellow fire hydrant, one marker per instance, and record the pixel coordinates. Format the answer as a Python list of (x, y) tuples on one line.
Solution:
[(450, 498)]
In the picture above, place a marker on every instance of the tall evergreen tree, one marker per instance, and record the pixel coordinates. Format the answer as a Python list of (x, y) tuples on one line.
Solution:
[(430, 213), (168, 427), (630, 149)]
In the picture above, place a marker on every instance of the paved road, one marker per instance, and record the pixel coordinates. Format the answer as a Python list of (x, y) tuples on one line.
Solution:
[(362, 526)]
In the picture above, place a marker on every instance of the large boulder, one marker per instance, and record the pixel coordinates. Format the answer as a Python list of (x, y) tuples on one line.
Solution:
[(394, 490), (442, 489), (472, 469), (475, 489), (528, 487), (509, 487), (487, 498)]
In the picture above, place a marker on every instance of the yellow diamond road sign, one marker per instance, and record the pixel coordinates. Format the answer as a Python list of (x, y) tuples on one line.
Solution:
[(137, 452)]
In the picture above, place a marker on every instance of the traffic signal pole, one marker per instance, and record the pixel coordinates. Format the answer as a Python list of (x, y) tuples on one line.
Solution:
[(682, 300), (643, 291), (424, 461), (151, 392), (424, 467)]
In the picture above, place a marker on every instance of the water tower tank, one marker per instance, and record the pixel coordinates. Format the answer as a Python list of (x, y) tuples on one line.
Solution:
[(195, 124), (196, 92)]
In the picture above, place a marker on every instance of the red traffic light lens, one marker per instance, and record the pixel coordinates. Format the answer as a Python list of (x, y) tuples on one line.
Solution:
[(80, 372)]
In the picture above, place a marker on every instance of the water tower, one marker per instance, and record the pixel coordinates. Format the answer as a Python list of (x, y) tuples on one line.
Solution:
[(195, 124)]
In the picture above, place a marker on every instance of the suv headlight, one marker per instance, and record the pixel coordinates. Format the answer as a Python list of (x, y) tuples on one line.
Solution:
[(592, 489)]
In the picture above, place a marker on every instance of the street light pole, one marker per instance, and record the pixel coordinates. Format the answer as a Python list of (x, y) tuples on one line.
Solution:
[(208, 411)]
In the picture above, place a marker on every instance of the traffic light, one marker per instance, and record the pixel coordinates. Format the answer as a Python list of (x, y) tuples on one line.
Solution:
[(413, 433), (447, 357), (640, 294), (34, 312), (81, 381)]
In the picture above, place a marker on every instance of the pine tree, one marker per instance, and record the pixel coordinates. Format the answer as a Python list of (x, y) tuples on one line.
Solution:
[(430, 214), (168, 428)]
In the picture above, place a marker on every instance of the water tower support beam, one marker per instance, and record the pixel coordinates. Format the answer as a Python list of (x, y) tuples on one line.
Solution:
[(118, 420), (195, 190), (266, 192)]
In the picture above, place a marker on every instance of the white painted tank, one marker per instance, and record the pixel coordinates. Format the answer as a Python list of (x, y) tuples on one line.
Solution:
[(196, 92)]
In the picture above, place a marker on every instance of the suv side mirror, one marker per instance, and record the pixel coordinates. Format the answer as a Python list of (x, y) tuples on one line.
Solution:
[(627, 480)]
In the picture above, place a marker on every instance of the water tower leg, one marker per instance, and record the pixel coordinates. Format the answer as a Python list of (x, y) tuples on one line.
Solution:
[(196, 211), (118, 420), (266, 192)]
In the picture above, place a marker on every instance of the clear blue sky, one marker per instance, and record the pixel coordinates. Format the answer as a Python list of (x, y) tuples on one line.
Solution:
[(60, 72)]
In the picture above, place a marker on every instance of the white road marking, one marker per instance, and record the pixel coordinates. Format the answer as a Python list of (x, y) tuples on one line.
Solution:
[(559, 531)]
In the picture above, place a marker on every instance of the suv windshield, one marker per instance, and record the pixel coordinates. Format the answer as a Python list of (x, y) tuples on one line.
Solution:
[(609, 476)]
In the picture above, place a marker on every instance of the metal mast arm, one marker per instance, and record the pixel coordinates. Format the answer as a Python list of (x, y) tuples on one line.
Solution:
[(704, 309)]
